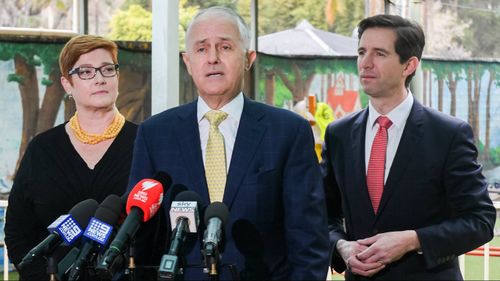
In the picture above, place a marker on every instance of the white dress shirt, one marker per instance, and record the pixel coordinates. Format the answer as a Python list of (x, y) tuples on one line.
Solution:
[(398, 116), (228, 127)]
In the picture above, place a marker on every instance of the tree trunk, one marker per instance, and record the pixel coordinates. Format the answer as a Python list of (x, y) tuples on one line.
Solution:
[(307, 84), (469, 96), (52, 99), (440, 94), (69, 108), (424, 95), (131, 102), (28, 89), (270, 86), (452, 85), (486, 151), (300, 85), (477, 92), (291, 86), (430, 88)]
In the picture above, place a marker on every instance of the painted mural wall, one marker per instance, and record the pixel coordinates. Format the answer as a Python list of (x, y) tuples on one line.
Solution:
[(32, 99)]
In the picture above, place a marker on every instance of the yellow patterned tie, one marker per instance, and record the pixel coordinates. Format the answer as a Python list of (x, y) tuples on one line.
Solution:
[(215, 157)]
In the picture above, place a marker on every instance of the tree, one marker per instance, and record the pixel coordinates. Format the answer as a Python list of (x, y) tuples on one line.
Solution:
[(146, 4), (346, 20), (26, 58), (35, 14), (186, 14), (296, 75), (134, 24), (278, 15), (441, 28), (493, 70), (203, 4), (483, 18)]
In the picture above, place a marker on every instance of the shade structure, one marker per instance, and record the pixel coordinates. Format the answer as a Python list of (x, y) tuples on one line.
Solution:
[(306, 40)]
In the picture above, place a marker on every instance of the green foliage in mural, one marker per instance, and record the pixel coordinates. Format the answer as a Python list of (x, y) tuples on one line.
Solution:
[(12, 77), (281, 94), (495, 156), (46, 55), (47, 82), (135, 60), (302, 69)]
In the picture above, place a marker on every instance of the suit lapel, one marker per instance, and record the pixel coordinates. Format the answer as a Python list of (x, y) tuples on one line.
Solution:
[(248, 138), (188, 135), (360, 190), (412, 134)]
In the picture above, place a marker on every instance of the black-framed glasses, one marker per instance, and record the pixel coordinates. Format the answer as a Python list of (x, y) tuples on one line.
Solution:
[(89, 72)]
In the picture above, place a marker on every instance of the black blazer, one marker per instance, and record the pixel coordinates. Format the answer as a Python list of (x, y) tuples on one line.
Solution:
[(435, 186)]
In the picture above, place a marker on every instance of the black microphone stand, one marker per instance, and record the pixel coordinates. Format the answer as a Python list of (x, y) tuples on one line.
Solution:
[(212, 258), (51, 268), (171, 264), (130, 271)]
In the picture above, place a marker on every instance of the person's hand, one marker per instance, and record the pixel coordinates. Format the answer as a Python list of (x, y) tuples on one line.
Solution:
[(388, 247), (348, 251)]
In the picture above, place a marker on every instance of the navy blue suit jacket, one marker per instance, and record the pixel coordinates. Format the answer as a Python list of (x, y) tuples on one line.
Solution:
[(435, 186), (274, 181)]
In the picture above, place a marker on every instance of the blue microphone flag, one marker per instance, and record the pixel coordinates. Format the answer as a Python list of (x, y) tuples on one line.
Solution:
[(98, 231), (67, 228)]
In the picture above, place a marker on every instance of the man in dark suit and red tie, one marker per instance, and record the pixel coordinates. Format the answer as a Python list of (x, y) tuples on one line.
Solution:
[(273, 176), (405, 194)]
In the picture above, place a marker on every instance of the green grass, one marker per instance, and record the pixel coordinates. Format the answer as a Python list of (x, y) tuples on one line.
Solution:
[(13, 275), (474, 265)]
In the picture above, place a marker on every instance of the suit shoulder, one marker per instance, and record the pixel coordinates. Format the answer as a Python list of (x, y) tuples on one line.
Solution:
[(345, 122), (443, 120), (276, 113), (169, 115)]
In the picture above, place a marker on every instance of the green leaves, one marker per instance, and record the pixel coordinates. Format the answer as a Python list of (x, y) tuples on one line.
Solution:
[(15, 78)]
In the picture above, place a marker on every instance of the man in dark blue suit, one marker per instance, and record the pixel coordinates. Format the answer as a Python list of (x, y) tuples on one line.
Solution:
[(405, 194), (273, 176)]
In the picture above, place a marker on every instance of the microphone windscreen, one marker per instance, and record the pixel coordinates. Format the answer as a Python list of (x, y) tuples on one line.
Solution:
[(187, 196), (83, 211), (164, 179), (247, 238), (110, 209), (146, 195), (175, 190), (216, 210)]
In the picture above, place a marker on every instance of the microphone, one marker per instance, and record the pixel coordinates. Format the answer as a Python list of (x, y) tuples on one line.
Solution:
[(249, 242), (66, 228), (97, 232), (184, 218), (143, 202), (215, 218)]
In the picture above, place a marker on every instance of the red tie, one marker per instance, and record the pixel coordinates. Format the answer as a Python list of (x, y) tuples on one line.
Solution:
[(376, 165)]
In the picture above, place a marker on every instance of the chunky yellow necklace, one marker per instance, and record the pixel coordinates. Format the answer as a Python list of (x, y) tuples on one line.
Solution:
[(111, 131)]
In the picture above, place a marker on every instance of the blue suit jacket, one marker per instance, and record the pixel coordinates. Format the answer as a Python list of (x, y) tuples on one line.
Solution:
[(274, 181), (435, 187)]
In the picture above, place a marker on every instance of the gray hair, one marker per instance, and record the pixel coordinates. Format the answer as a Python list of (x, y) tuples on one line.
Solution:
[(220, 11)]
